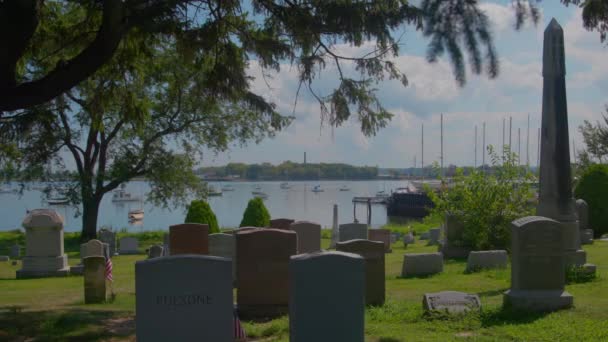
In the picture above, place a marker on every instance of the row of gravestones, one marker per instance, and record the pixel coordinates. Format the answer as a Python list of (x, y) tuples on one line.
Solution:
[(189, 292)]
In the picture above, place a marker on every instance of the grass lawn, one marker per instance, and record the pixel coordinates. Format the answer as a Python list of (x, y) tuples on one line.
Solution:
[(52, 309)]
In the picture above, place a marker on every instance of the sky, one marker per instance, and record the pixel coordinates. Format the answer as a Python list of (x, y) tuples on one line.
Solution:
[(432, 91)]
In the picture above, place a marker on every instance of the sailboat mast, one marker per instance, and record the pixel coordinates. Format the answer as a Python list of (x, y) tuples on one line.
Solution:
[(518, 146), (441, 123), (528, 144), (510, 127), (475, 146), (422, 155), (483, 147)]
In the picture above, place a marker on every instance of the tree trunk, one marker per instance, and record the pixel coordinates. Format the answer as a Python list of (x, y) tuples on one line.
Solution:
[(90, 211)]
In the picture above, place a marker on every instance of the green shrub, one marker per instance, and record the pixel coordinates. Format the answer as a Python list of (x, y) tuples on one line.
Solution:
[(256, 214), (593, 188), (200, 212), (487, 203)]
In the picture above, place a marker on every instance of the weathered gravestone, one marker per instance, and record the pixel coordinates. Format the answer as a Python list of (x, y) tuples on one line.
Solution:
[(94, 279), (128, 245), (424, 236), (224, 245), (15, 251), (555, 199), (537, 265), (394, 238), (189, 238), (92, 248), (44, 256), (184, 298), (421, 264), (262, 271), (332, 309), (408, 239), (452, 244), (352, 231), (155, 251), (109, 237), (451, 302), (281, 223), (309, 236), (5, 258), (382, 235), (479, 260), (373, 253), (434, 235), (582, 209)]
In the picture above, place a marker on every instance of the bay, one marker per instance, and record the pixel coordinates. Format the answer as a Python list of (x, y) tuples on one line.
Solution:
[(298, 202)]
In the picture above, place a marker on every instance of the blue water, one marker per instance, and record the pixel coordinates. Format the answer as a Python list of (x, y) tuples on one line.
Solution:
[(298, 203)]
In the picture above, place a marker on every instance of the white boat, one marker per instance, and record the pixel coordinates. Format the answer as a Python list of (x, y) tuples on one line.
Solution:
[(123, 196), (382, 194), (259, 194), (285, 185), (258, 187), (5, 191), (317, 188), (227, 188), (136, 214), (57, 201), (213, 191), (344, 188)]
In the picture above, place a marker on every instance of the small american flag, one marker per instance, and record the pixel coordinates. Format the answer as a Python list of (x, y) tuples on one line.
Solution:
[(239, 332), (108, 266)]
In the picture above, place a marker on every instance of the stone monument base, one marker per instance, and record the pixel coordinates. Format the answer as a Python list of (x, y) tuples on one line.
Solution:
[(258, 312), (77, 270), (538, 300), (38, 267), (454, 252)]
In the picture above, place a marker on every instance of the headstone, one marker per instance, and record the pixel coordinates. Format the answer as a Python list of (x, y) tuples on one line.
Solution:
[(394, 238), (109, 237), (434, 235), (582, 210), (15, 251), (451, 302), (44, 256), (94, 279), (537, 265), (309, 236), (382, 235), (5, 258), (425, 236), (587, 236), (155, 251), (452, 245), (189, 238), (421, 264), (281, 223), (128, 245), (479, 260), (224, 245), (334, 228), (184, 298), (262, 271), (409, 239), (352, 231), (555, 199), (373, 253), (332, 309), (92, 248)]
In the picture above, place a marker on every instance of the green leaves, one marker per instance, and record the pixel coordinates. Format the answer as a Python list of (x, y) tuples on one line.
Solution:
[(486, 201), (256, 214)]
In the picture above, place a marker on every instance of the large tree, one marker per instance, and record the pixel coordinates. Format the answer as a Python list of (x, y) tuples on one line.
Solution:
[(300, 30), (147, 113)]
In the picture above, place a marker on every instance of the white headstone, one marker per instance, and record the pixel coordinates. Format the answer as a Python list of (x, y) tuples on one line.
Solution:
[(128, 245)]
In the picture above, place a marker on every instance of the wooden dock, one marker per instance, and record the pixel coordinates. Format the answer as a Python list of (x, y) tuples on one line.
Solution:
[(371, 200)]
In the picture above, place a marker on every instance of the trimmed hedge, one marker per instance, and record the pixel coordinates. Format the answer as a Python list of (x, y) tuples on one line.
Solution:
[(200, 212), (593, 188), (256, 214)]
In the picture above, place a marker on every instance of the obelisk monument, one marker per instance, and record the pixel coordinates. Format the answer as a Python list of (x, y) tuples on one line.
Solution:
[(555, 193)]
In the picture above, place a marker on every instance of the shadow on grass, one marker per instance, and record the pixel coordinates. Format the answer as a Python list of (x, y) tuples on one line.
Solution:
[(504, 316), (492, 293), (388, 339), (64, 325)]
